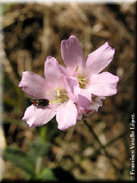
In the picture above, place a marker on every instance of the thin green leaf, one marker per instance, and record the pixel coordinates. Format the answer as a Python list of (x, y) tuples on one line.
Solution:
[(47, 174), (39, 147), (20, 159)]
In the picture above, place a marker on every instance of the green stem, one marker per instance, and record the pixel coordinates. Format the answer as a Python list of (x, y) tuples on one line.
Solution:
[(39, 163), (102, 146), (92, 131)]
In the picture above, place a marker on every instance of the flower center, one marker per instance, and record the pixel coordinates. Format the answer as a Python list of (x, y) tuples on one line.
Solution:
[(60, 96), (82, 82)]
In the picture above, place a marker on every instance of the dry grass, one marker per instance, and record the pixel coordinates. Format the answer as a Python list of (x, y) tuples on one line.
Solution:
[(34, 31)]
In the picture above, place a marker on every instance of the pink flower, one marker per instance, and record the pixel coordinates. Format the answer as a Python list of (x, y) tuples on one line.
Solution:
[(58, 89), (73, 92), (87, 71)]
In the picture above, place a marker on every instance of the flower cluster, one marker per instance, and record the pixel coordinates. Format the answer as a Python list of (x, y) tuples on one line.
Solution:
[(74, 92)]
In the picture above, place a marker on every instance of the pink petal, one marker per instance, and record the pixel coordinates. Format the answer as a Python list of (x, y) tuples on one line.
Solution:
[(33, 85), (72, 87), (71, 53), (96, 104), (63, 70), (84, 98), (52, 72), (38, 116), (67, 116), (103, 84), (99, 59)]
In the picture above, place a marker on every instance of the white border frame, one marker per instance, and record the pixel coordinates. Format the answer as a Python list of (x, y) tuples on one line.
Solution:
[(38, 1), (1, 126), (62, 1)]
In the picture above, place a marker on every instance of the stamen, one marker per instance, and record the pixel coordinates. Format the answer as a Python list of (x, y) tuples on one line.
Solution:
[(51, 90), (82, 81), (61, 95), (58, 93), (55, 101), (76, 69)]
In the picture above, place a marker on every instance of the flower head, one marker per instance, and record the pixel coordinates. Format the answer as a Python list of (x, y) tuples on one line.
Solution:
[(92, 83), (72, 93), (59, 90)]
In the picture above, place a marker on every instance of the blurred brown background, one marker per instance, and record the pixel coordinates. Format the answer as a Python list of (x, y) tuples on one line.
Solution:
[(31, 32)]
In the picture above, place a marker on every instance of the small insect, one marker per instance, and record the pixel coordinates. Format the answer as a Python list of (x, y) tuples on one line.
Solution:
[(40, 102)]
